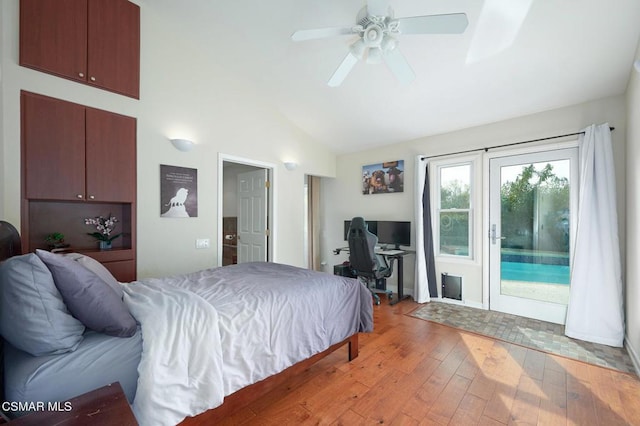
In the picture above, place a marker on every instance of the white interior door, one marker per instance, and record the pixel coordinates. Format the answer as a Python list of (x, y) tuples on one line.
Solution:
[(532, 213), (252, 216)]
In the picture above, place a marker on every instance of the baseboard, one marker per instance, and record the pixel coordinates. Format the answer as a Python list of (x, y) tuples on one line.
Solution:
[(633, 354)]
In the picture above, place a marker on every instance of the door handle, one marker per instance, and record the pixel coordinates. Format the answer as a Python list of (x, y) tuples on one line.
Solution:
[(493, 236)]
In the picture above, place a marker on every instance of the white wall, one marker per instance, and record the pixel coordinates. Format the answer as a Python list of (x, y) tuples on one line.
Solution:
[(342, 198), (182, 94), (633, 218)]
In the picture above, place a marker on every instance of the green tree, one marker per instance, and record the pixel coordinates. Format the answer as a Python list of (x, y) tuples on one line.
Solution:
[(455, 195), (454, 225), (533, 188)]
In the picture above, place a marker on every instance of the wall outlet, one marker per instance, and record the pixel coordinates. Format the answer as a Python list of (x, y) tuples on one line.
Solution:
[(202, 243)]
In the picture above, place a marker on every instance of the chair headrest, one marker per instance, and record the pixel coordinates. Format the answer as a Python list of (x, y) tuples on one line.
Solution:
[(358, 223)]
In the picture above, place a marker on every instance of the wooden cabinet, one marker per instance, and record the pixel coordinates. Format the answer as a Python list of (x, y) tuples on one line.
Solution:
[(73, 152), (114, 46), (78, 162), (110, 156), (53, 143), (95, 42)]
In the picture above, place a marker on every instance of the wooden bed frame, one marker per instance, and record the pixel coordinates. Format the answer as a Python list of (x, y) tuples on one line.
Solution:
[(10, 246)]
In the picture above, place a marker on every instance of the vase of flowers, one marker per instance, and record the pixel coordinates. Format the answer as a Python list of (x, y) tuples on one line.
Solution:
[(104, 229)]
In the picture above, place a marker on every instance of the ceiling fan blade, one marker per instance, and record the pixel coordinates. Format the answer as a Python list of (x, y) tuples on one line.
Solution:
[(453, 23), (399, 66), (343, 70), (303, 35), (378, 7)]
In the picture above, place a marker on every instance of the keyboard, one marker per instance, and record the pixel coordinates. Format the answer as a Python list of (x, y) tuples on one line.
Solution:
[(390, 252)]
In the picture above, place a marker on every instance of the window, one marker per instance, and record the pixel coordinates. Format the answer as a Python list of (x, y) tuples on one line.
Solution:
[(454, 211)]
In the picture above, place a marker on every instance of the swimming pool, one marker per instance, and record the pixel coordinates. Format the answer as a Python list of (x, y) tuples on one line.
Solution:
[(534, 272)]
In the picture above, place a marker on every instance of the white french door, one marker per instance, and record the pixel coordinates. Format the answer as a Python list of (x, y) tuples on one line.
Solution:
[(532, 218)]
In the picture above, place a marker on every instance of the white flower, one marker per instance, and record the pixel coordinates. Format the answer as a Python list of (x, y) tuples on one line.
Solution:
[(104, 226)]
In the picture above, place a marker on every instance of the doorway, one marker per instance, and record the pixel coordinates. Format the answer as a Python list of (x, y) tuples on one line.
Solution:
[(245, 211), (532, 218)]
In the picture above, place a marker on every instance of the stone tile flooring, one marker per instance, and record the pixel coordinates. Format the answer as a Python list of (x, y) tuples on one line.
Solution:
[(527, 332)]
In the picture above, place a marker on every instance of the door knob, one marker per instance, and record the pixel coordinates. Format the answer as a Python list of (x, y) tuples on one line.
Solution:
[(493, 234)]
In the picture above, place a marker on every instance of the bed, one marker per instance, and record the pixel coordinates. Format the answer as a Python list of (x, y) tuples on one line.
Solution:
[(193, 348)]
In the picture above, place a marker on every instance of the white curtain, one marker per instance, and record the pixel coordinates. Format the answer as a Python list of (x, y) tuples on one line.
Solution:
[(421, 286), (595, 311)]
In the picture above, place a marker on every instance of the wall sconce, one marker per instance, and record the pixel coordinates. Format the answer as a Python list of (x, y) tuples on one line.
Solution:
[(290, 165), (636, 65), (183, 145)]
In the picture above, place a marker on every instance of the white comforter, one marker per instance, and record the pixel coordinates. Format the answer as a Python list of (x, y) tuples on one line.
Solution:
[(210, 333), (180, 372)]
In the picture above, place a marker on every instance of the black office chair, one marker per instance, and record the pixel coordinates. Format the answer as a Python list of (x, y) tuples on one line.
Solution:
[(364, 262)]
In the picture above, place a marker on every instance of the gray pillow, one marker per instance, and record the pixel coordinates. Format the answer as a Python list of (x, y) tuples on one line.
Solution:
[(88, 297), (97, 268), (33, 316)]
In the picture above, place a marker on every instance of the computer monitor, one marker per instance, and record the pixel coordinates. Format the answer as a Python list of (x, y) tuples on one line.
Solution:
[(396, 233), (388, 232)]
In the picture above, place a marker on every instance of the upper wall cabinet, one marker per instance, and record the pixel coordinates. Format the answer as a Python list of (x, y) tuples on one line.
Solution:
[(72, 152), (96, 42)]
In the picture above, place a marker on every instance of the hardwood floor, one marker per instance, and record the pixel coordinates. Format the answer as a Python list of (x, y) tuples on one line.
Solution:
[(414, 372)]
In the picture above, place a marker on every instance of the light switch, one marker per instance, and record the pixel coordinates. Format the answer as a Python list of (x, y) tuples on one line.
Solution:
[(202, 243)]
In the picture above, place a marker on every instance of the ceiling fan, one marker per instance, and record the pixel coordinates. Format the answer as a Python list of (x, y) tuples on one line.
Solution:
[(378, 32)]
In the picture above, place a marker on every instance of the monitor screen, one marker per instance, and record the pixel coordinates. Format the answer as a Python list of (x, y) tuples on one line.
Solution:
[(396, 233), (388, 232)]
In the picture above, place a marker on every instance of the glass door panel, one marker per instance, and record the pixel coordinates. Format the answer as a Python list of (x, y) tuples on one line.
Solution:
[(532, 199)]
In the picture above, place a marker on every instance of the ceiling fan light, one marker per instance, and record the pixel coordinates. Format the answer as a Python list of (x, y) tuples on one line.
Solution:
[(374, 56), (388, 43), (358, 48), (373, 35)]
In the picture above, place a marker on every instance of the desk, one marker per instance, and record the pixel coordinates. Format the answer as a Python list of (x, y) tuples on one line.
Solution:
[(399, 256)]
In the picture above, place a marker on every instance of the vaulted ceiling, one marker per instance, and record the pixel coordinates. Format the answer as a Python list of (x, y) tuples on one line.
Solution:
[(556, 53)]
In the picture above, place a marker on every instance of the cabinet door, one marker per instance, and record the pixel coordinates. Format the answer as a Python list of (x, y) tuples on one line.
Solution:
[(53, 148), (111, 156), (123, 271), (114, 46), (53, 36)]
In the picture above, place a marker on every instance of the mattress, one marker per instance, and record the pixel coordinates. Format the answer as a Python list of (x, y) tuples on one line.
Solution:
[(98, 361)]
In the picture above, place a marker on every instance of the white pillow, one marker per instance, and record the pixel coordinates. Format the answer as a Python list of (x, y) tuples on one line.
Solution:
[(97, 268)]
